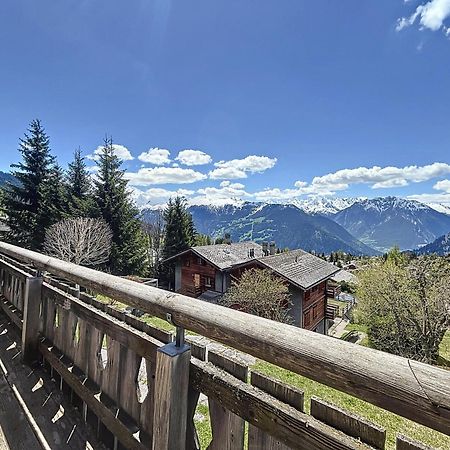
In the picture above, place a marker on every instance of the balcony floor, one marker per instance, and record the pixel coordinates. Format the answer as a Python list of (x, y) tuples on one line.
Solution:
[(33, 412)]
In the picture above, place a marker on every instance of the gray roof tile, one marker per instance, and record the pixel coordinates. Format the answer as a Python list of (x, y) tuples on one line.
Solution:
[(299, 267), (227, 255)]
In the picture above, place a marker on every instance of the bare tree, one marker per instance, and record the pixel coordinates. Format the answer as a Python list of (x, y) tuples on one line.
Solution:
[(80, 240), (261, 293), (154, 231)]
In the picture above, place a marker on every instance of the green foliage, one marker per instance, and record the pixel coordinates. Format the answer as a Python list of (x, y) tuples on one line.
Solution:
[(203, 239), (79, 188), (261, 293), (115, 206), (180, 233), (404, 305), (34, 203)]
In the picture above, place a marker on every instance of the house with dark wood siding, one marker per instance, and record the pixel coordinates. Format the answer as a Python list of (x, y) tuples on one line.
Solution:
[(206, 272)]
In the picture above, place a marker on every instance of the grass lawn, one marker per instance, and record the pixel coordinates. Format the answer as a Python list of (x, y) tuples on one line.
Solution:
[(394, 424)]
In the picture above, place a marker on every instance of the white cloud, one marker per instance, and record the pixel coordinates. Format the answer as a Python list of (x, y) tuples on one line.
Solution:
[(443, 185), (157, 156), (193, 158), (431, 15), (119, 150), (380, 177), (443, 198), (227, 193), (156, 196), (163, 175), (238, 168), (231, 173)]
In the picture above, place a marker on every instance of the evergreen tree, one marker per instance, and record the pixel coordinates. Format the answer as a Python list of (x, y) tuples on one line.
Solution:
[(28, 204), (180, 232), (79, 188), (115, 206), (55, 197)]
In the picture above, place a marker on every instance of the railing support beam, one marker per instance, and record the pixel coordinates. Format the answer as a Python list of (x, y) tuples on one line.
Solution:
[(30, 329), (171, 395)]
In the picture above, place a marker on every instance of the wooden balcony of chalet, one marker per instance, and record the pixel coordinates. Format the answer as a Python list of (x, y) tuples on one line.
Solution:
[(77, 373)]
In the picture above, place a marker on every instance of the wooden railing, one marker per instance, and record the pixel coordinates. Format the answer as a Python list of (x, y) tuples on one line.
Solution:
[(106, 360)]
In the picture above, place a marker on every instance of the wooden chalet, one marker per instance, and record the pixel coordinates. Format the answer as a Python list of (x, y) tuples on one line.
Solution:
[(206, 272)]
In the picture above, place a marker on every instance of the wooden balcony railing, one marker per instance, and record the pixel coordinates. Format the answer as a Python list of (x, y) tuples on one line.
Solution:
[(99, 354)]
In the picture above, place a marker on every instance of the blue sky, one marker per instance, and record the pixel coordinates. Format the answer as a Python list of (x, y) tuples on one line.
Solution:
[(284, 99)]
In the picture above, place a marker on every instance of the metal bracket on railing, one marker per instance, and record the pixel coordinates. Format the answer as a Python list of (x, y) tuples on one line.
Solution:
[(179, 336)]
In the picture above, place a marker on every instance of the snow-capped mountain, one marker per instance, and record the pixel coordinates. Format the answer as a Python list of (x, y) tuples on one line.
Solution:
[(387, 221), (325, 206), (440, 207), (441, 246), (285, 224)]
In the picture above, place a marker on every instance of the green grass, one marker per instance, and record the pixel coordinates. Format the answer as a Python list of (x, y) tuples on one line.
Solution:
[(357, 327), (444, 351), (391, 422)]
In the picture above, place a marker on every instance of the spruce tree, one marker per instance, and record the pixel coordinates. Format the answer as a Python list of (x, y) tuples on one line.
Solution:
[(79, 188), (180, 232), (28, 204), (115, 206)]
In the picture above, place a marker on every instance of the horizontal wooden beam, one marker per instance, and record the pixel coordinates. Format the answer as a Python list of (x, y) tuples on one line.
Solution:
[(417, 391), (285, 423)]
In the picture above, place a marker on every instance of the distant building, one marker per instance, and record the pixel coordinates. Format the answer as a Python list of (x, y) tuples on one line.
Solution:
[(334, 284), (206, 272)]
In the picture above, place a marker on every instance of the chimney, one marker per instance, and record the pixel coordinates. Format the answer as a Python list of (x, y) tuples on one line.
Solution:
[(265, 248), (272, 248), (227, 239)]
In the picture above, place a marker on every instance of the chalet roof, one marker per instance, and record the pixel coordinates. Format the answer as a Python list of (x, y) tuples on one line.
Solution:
[(299, 267), (344, 275), (224, 256)]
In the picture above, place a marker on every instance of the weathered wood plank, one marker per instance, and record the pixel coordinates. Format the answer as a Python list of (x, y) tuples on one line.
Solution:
[(291, 427), (349, 423), (257, 438), (129, 337), (171, 392), (228, 429), (30, 328), (12, 312), (107, 417), (405, 443), (385, 380)]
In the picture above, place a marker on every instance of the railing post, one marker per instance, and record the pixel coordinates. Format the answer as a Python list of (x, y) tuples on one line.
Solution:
[(171, 395), (30, 329)]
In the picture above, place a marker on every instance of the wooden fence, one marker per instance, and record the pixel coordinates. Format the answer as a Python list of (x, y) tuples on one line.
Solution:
[(139, 389)]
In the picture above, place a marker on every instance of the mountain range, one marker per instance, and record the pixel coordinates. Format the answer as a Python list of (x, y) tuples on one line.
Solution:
[(5, 178), (357, 226), (441, 246)]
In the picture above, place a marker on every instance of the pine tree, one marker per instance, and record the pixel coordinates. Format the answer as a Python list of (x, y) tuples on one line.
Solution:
[(79, 188), (28, 204), (180, 232), (114, 205)]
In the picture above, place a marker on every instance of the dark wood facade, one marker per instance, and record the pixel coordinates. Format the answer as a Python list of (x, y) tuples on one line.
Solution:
[(197, 275)]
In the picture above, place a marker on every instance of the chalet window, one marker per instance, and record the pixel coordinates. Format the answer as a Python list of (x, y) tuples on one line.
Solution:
[(187, 262), (315, 313), (201, 261), (208, 281)]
